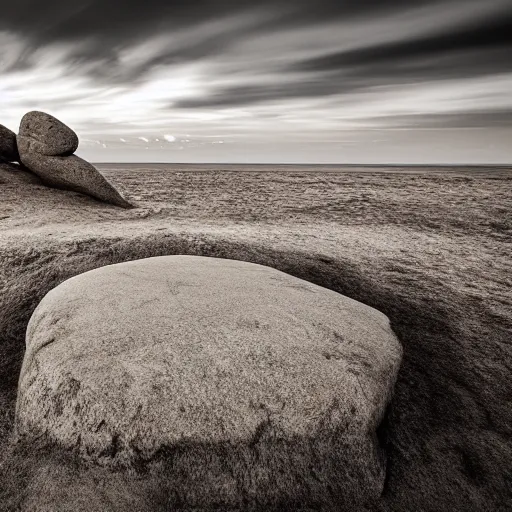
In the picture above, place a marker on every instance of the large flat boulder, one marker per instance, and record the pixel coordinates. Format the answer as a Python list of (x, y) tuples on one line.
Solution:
[(243, 384), (49, 136), (69, 173), (8, 147)]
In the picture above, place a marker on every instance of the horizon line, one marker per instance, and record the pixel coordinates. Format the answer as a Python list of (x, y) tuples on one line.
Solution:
[(501, 165)]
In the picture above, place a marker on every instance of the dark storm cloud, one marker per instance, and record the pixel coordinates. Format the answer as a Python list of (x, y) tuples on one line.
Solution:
[(356, 78), (119, 19), (249, 95), (104, 26), (496, 32), (481, 119)]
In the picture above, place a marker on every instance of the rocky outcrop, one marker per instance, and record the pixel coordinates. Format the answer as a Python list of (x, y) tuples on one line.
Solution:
[(245, 384), (8, 147), (45, 146)]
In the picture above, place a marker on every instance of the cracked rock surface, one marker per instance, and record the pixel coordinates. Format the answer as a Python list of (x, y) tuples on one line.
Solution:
[(245, 384)]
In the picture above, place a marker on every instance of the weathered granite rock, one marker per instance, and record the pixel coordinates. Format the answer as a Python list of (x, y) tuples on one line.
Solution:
[(69, 173), (248, 385), (49, 136), (8, 147)]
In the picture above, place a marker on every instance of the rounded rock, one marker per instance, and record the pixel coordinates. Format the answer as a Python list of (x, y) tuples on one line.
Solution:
[(49, 136), (8, 146), (243, 384)]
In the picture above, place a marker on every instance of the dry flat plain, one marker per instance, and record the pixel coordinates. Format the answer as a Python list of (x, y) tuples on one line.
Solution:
[(429, 247)]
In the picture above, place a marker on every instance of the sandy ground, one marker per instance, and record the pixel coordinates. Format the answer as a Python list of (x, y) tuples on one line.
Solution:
[(429, 247)]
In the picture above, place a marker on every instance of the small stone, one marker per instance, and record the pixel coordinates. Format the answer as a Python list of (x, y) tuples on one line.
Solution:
[(49, 136), (68, 173)]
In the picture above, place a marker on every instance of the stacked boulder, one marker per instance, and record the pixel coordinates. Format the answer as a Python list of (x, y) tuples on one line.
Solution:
[(46, 146)]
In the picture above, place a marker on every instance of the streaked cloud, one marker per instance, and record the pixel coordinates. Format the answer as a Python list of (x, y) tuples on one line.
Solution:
[(272, 79)]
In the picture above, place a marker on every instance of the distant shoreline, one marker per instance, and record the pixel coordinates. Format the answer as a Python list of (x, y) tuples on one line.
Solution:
[(459, 169)]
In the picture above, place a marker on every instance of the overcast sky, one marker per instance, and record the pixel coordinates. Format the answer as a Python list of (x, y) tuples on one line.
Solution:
[(337, 81)]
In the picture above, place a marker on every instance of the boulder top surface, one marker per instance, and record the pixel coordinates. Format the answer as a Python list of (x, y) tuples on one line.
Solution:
[(204, 348)]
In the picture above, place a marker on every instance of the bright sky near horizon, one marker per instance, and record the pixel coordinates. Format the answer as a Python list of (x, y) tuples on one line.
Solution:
[(324, 81)]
